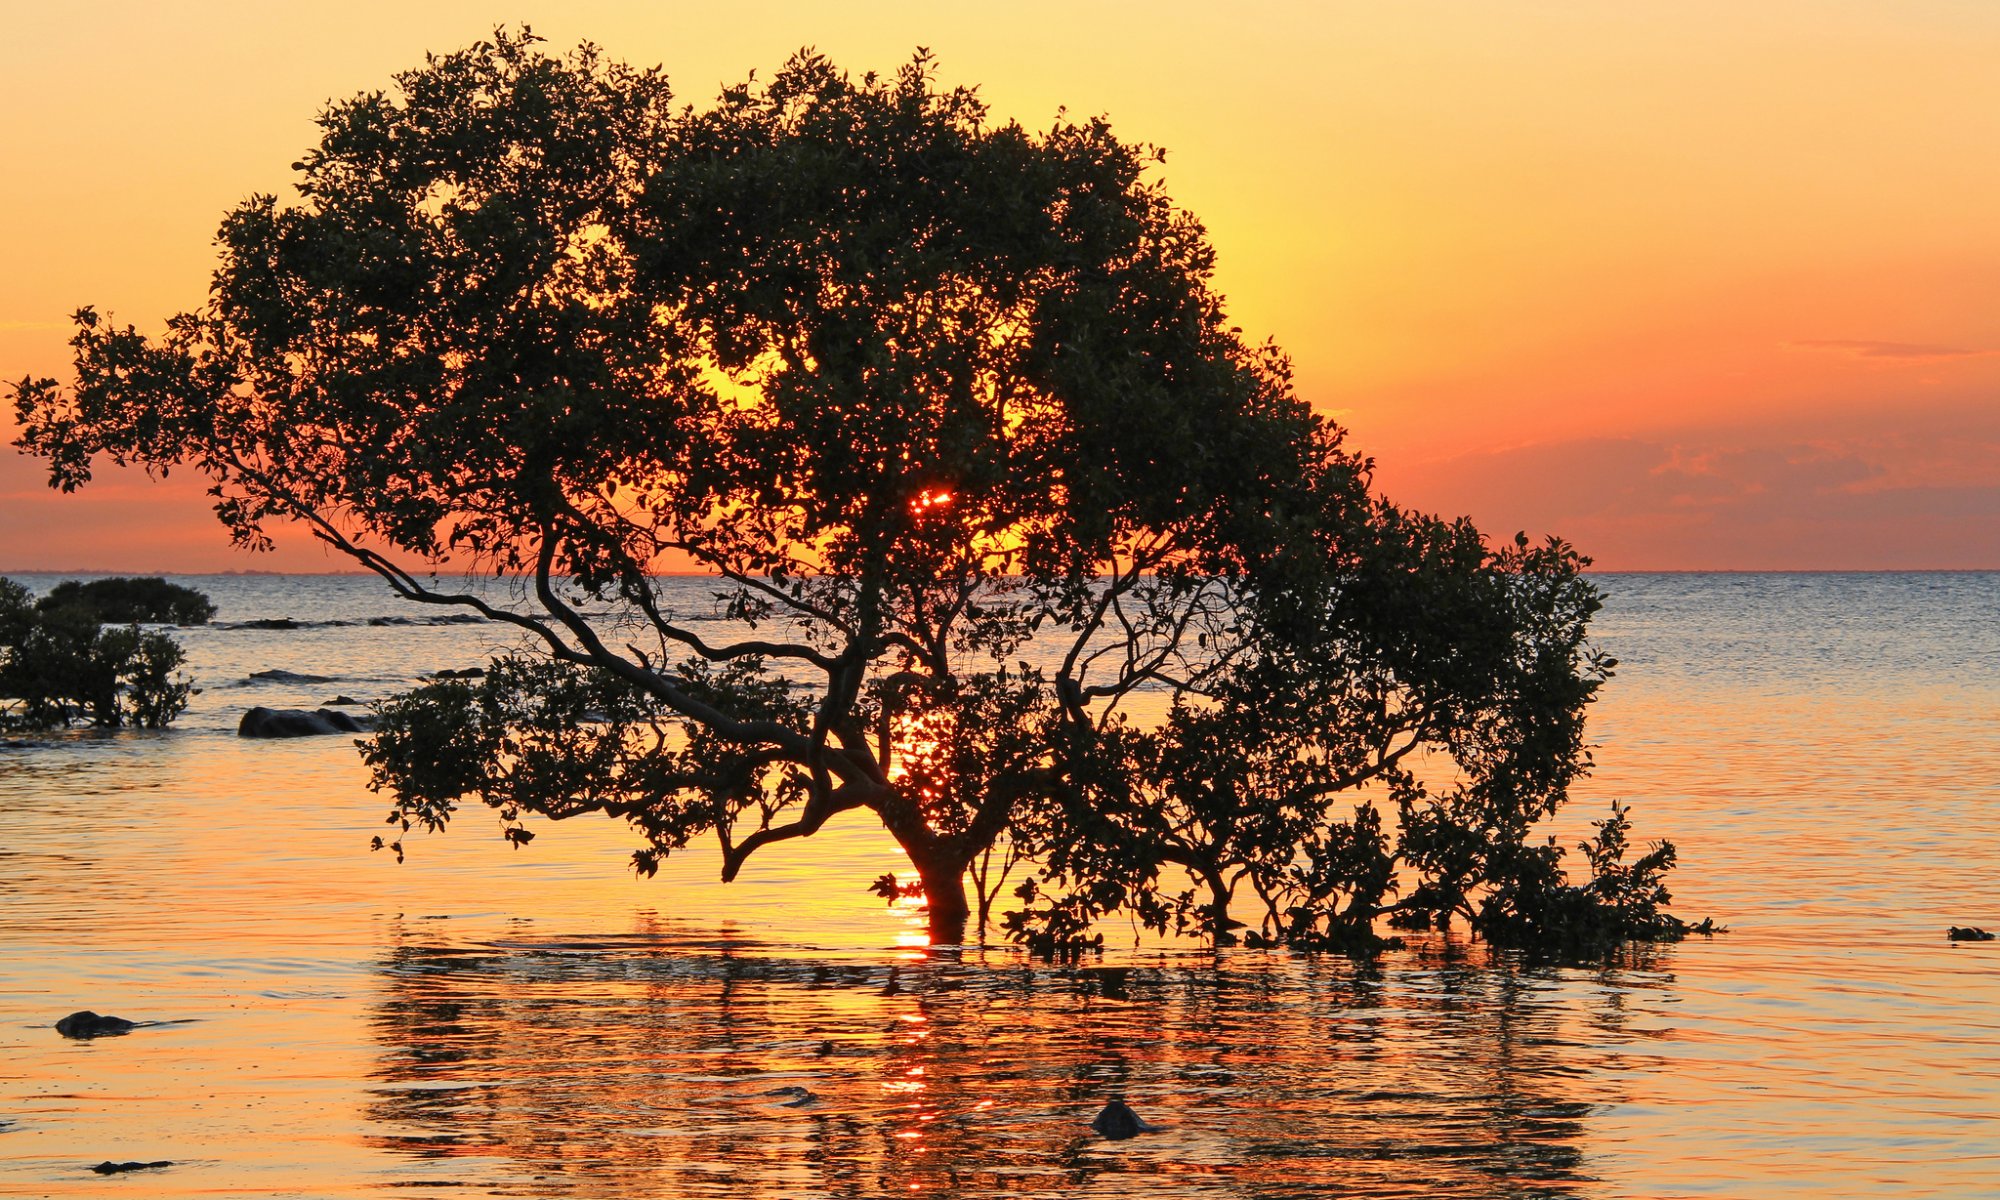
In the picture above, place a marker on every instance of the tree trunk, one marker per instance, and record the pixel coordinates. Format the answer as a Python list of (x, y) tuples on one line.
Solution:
[(1218, 908), (944, 898)]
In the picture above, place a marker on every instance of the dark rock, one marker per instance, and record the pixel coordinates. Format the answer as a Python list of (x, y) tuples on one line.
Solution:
[(467, 673), (87, 1024), (1119, 1122), (1966, 933), (344, 698), (290, 722), (289, 677), (107, 1167), (800, 1097), (269, 623)]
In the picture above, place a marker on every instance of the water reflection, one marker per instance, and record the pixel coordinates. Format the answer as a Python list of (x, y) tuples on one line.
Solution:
[(1822, 748), (665, 1064)]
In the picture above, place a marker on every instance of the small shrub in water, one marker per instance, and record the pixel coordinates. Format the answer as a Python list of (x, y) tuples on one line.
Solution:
[(59, 666)]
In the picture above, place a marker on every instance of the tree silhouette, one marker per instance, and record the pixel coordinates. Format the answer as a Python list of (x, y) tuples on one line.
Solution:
[(952, 414)]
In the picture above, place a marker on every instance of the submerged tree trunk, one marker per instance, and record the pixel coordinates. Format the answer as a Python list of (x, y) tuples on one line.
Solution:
[(940, 865), (944, 898), (1221, 929)]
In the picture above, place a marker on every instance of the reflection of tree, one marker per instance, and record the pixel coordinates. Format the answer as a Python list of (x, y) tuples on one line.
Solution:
[(643, 1066)]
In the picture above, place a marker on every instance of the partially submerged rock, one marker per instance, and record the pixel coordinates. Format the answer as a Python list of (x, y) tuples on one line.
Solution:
[(1119, 1122), (263, 722), (1966, 933), (289, 677), (87, 1024), (467, 673), (107, 1167), (344, 698)]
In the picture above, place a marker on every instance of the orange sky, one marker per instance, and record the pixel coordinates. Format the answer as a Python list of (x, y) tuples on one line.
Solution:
[(1695, 284)]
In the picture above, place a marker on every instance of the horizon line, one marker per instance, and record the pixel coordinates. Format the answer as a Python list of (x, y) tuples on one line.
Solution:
[(252, 573)]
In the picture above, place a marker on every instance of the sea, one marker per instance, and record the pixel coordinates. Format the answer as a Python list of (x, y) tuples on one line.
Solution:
[(487, 1020)]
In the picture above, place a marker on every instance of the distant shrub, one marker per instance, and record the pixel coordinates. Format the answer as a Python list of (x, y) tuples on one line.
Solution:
[(59, 666), (130, 600)]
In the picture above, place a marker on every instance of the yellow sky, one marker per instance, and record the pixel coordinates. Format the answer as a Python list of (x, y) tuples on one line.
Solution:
[(1695, 284)]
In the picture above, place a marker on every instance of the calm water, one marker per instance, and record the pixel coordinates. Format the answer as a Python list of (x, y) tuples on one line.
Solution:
[(479, 1021)]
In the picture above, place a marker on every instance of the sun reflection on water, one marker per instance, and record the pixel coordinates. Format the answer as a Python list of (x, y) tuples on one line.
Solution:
[(547, 1066)]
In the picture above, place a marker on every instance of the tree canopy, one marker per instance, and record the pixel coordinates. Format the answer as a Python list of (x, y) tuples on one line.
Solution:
[(1018, 544)]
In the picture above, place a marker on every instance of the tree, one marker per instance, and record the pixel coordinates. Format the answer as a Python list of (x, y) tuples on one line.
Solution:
[(58, 664), (128, 601), (954, 416)]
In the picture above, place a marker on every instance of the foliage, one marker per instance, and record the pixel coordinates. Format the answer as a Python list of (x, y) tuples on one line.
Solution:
[(58, 665), (1019, 545), (1534, 906), (130, 601)]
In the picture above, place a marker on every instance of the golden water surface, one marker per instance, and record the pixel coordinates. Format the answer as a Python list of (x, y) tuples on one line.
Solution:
[(486, 1021)]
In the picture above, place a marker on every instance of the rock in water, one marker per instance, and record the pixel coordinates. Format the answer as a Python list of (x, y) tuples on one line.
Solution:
[(1965, 933), (1119, 1122), (263, 722), (87, 1024), (288, 677), (107, 1167)]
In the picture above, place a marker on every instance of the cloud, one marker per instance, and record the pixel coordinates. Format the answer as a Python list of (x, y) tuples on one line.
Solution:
[(1906, 351), (1892, 490)]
